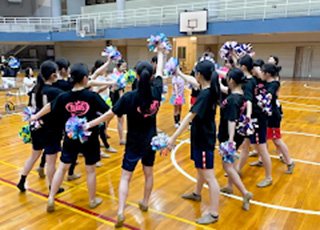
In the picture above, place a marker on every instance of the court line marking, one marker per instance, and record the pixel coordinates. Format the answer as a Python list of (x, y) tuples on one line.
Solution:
[(300, 109), (174, 162), (301, 97), (310, 87), (70, 207), (80, 186), (302, 104)]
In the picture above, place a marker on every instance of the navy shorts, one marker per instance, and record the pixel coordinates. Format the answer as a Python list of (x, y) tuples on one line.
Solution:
[(90, 150), (203, 159), (130, 160), (49, 143), (260, 133)]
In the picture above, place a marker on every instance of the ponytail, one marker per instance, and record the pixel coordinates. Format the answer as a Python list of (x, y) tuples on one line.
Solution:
[(47, 68), (145, 71), (215, 88)]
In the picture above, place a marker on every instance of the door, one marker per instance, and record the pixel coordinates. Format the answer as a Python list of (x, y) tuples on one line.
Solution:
[(303, 62)]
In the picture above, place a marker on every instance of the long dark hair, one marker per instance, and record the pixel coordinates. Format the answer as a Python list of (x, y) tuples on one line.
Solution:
[(145, 71), (207, 70), (47, 68), (97, 65)]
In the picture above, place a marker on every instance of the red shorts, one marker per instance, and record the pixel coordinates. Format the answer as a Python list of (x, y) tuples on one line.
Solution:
[(193, 100), (273, 133)]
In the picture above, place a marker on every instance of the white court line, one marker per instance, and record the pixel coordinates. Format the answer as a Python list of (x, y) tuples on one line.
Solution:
[(302, 104), (283, 208), (308, 110), (300, 97), (310, 87)]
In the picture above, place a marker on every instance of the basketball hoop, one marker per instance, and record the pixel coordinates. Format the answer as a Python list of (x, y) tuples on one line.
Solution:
[(82, 33), (190, 31)]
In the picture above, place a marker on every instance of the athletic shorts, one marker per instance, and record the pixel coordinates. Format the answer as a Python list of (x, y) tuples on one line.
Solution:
[(260, 133), (50, 144), (130, 160), (273, 133), (90, 150), (193, 100), (202, 159)]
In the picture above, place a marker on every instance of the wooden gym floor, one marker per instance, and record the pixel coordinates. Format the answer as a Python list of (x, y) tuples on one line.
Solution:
[(291, 203)]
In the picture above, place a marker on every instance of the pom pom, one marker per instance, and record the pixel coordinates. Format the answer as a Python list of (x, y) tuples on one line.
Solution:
[(228, 152), (163, 98), (171, 66), (34, 125), (264, 99), (108, 101), (246, 126), (179, 100), (159, 142), (130, 76), (75, 129), (25, 134), (14, 63), (207, 58), (233, 46), (121, 80), (159, 39), (112, 51)]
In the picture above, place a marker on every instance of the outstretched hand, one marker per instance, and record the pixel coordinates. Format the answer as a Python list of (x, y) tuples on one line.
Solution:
[(171, 143)]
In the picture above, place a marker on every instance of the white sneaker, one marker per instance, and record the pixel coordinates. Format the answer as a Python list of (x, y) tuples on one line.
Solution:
[(176, 125), (111, 150), (189, 128), (104, 155), (98, 164)]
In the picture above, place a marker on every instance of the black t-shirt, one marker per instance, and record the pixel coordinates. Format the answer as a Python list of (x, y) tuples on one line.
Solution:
[(141, 126), (49, 120), (203, 128), (231, 109), (82, 103), (63, 85), (248, 89), (275, 119), (256, 110)]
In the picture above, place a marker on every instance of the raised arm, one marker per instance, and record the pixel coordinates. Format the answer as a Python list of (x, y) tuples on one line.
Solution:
[(189, 79), (101, 83), (159, 71), (100, 69)]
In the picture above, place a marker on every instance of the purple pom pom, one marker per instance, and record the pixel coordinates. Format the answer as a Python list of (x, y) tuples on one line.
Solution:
[(112, 51), (75, 129), (228, 152), (160, 141), (34, 125), (171, 66), (154, 41)]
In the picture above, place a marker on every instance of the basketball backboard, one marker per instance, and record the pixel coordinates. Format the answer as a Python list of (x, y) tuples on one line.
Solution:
[(193, 21)]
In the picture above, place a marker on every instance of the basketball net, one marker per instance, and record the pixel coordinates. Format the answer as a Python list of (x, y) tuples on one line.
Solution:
[(190, 32), (82, 33)]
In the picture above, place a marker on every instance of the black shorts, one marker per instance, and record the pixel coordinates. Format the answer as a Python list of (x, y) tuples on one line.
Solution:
[(50, 143), (260, 133), (203, 159), (90, 150), (130, 159), (115, 96)]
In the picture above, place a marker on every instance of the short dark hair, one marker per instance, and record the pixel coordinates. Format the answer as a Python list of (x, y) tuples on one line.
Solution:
[(78, 72), (62, 63), (154, 59)]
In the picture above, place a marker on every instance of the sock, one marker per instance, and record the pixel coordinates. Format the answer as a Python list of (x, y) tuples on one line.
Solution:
[(176, 120), (20, 185), (179, 116)]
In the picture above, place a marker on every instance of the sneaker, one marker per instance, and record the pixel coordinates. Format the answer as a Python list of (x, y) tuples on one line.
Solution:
[(95, 203), (191, 196), (254, 153), (226, 190), (246, 201), (111, 150), (256, 163), (120, 221), (73, 177), (143, 207), (265, 183), (189, 128), (290, 168), (282, 159), (104, 155), (98, 164), (207, 219), (123, 142), (176, 125), (40, 171), (21, 187), (50, 205)]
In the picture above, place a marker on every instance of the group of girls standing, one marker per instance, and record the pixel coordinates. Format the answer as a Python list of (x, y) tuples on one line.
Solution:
[(141, 106)]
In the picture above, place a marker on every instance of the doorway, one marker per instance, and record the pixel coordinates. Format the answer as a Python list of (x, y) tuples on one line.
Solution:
[(186, 50), (303, 62)]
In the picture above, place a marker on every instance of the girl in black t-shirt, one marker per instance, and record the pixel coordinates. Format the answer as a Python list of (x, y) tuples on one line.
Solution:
[(231, 109), (141, 106), (82, 103), (273, 131), (48, 137), (203, 135)]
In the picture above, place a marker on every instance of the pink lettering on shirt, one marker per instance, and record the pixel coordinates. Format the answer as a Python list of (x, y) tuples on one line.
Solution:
[(78, 108)]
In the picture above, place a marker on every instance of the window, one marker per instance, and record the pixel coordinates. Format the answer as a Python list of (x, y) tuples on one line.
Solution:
[(182, 52)]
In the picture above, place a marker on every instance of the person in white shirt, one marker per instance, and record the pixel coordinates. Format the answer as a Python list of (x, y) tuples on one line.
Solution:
[(29, 81)]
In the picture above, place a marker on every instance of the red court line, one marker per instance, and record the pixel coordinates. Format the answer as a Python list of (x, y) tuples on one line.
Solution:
[(74, 206)]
